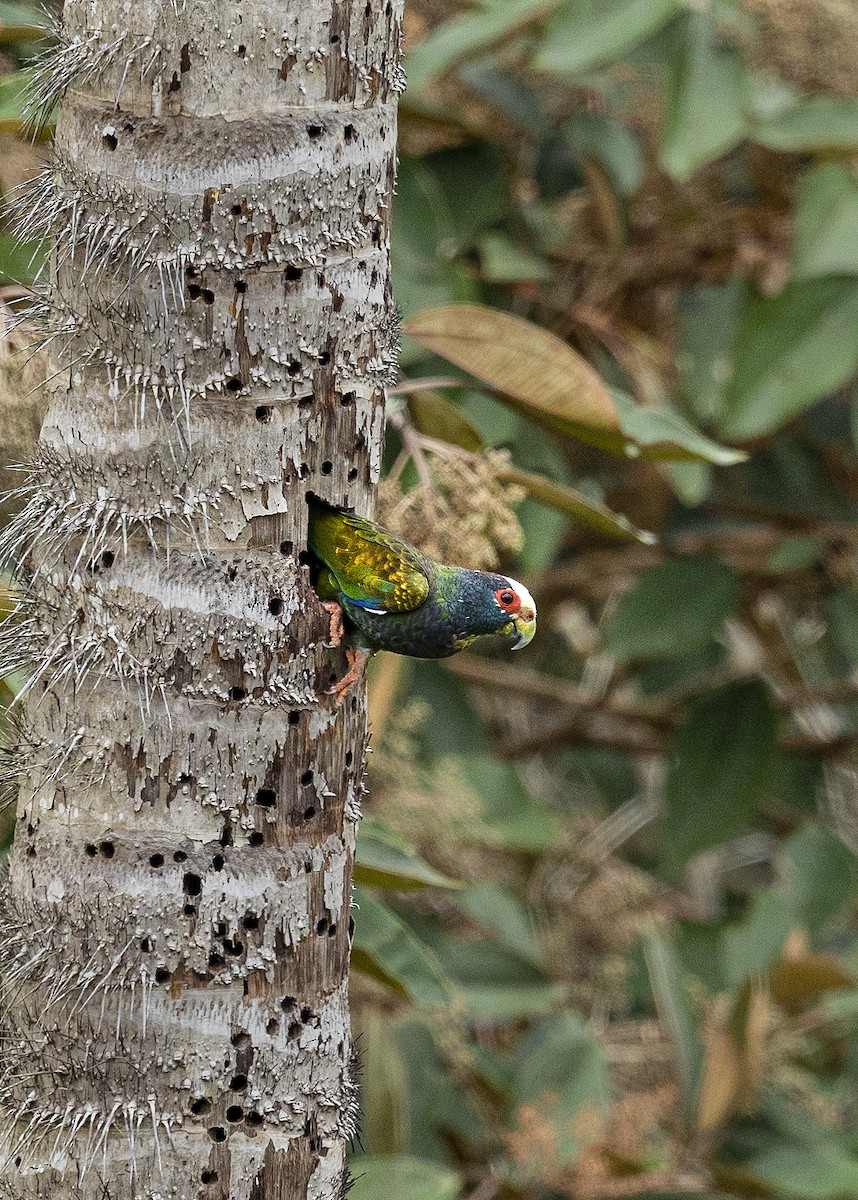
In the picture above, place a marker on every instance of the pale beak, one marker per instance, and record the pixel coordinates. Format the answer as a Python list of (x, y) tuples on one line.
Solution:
[(525, 623)]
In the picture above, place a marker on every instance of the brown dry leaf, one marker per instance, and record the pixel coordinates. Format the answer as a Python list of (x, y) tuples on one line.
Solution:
[(798, 982), (750, 1023), (10, 601), (735, 1046), (539, 376), (721, 1085), (538, 372)]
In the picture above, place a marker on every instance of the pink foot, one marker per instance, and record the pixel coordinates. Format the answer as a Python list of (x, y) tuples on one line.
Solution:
[(357, 660), (335, 611)]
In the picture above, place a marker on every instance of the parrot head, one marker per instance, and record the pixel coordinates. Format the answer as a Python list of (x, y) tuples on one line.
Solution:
[(515, 603)]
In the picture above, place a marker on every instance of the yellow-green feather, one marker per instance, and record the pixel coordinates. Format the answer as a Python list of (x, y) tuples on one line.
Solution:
[(368, 564)]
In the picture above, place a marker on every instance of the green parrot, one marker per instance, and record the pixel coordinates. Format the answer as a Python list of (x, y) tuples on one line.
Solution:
[(395, 598)]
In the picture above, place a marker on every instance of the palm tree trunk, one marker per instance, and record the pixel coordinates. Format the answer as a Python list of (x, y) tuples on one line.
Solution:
[(174, 965)]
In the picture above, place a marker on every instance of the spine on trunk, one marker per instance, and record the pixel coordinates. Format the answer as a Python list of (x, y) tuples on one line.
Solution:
[(173, 973)]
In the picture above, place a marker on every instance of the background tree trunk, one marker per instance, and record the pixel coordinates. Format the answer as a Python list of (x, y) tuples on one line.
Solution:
[(174, 973)]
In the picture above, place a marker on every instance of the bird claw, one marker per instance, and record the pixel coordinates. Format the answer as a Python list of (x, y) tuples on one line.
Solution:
[(357, 660), (336, 628)]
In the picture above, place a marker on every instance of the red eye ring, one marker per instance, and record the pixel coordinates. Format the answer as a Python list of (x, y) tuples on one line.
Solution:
[(508, 600)]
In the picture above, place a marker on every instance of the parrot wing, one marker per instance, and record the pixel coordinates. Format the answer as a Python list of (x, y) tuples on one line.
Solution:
[(372, 568)]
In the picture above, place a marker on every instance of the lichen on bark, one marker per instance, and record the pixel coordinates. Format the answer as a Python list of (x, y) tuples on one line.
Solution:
[(174, 971)]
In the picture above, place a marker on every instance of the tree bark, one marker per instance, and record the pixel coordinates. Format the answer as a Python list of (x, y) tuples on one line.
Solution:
[(174, 963)]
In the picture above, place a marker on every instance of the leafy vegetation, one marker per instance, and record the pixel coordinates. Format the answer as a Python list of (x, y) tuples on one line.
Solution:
[(606, 940)]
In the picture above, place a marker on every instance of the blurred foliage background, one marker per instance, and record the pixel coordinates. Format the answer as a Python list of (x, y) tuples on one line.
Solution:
[(607, 938)]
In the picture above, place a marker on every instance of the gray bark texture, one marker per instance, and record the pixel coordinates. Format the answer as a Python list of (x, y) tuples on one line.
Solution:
[(173, 968)]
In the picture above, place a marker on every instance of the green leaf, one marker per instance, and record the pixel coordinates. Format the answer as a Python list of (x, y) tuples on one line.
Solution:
[(474, 182), (20, 262), (498, 912), (722, 761), (843, 615), (545, 380), (577, 506), (486, 963), (664, 435), (496, 423), (582, 34), (690, 670), (494, 983), (401, 1178), (434, 416), (753, 944), (674, 608), (562, 1074), (596, 136), (520, 820), (815, 882), (385, 1085), (796, 554), (424, 272), (503, 261), (673, 1001), (559, 170), (588, 139), (383, 859), (452, 728), (21, 23), (468, 35), (389, 951), (544, 532), (797, 782), (821, 123), (362, 961), (791, 351), (698, 944), (522, 103), (709, 319), (822, 876), (505, 1002), (692, 482), (821, 1170), (437, 1104), (707, 96), (14, 90), (825, 237)]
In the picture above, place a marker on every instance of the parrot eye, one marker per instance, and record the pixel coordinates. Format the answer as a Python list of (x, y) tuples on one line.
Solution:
[(507, 599)]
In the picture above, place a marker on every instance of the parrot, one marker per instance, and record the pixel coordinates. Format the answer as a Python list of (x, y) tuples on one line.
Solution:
[(395, 598)]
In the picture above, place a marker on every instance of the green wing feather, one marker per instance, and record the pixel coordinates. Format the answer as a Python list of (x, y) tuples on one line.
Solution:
[(371, 567)]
